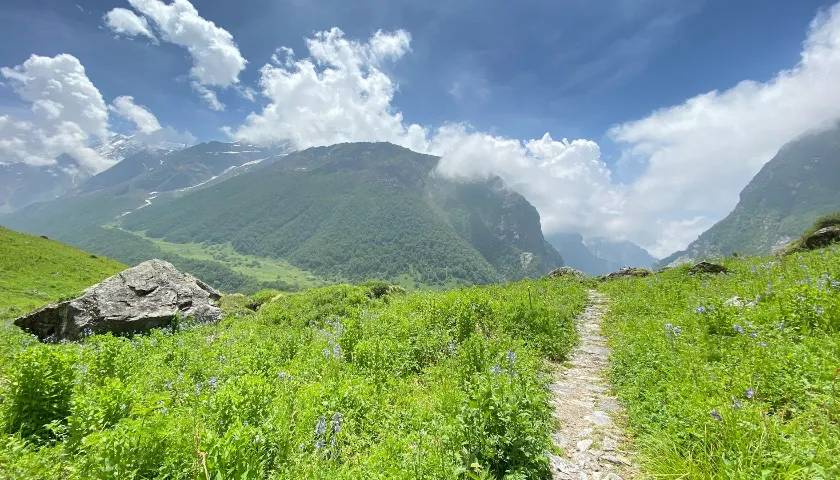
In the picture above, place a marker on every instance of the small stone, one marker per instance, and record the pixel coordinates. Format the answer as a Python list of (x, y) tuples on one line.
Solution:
[(583, 445), (599, 417), (616, 459)]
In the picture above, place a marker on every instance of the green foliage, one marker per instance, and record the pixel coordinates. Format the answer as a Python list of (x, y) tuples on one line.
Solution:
[(336, 382), (733, 376)]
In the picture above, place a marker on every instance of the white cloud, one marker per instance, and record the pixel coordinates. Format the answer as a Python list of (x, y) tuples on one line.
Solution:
[(140, 116), (695, 157), (217, 61), (67, 113), (699, 154), (339, 94), (125, 22)]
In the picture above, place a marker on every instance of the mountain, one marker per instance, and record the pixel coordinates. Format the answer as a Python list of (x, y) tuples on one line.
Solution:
[(358, 211), (577, 255), (346, 212), (163, 170), (599, 255), (800, 184), (22, 184)]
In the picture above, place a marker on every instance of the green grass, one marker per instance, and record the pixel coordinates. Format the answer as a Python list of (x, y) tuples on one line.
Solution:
[(726, 391), (334, 382), (35, 271), (261, 269)]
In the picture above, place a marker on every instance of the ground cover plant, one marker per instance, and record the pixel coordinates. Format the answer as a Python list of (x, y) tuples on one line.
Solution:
[(736, 375), (334, 382)]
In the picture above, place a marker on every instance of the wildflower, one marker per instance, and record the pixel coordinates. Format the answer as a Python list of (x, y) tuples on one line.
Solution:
[(213, 382), (736, 404), (750, 393), (337, 420), (451, 347), (511, 357), (780, 326), (671, 329), (701, 309), (738, 329), (835, 284), (320, 432), (753, 335), (87, 331), (762, 344), (819, 311), (168, 386), (715, 415), (284, 376), (495, 369)]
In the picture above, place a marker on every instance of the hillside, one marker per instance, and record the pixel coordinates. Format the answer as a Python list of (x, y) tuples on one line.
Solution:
[(361, 211), (791, 191), (35, 271)]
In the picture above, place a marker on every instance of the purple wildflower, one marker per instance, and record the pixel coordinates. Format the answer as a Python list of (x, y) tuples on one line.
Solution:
[(716, 415), (701, 309), (750, 393), (738, 329)]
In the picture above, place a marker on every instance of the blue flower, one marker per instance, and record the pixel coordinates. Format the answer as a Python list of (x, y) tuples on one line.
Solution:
[(714, 413), (738, 329), (495, 369), (701, 309), (750, 393), (213, 382), (511, 357)]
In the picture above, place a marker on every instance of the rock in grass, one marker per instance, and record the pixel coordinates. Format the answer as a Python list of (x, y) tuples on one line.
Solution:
[(135, 300), (565, 272), (628, 272), (822, 238), (707, 267)]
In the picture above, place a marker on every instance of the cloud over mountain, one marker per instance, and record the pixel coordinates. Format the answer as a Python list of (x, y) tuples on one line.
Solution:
[(143, 119)]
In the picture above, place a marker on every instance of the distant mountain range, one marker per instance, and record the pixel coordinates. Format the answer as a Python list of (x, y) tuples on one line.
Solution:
[(598, 255), (22, 184), (801, 183), (251, 217)]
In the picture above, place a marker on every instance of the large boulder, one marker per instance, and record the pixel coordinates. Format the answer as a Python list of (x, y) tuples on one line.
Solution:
[(707, 267), (135, 300), (822, 237)]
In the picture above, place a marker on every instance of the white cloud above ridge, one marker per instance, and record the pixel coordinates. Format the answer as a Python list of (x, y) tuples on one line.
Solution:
[(696, 156), (217, 61), (140, 116)]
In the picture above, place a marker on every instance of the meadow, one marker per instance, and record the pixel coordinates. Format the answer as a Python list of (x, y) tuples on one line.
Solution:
[(734, 375), (343, 381)]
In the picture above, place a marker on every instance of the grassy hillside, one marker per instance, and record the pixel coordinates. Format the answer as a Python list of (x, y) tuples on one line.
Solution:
[(336, 382), (35, 271), (724, 387)]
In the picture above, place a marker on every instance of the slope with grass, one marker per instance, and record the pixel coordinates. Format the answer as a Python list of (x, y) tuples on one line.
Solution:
[(733, 376), (336, 382), (35, 271)]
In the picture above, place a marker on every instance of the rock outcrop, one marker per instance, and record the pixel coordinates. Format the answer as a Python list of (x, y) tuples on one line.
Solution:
[(628, 272), (822, 238), (147, 296), (707, 267), (565, 272)]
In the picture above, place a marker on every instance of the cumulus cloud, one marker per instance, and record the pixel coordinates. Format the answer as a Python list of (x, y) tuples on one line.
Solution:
[(217, 61), (67, 113), (692, 159), (697, 156), (140, 116), (125, 22), (338, 94)]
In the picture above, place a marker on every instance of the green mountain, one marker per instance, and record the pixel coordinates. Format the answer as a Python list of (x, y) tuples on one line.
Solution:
[(800, 184), (346, 212)]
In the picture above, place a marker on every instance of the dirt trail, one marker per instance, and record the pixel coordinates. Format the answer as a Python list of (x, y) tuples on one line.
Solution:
[(588, 417)]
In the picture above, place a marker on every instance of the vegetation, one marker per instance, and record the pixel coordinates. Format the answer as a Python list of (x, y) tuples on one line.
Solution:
[(830, 220), (733, 376), (335, 382)]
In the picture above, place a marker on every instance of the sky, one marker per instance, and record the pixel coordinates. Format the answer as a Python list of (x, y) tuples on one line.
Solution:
[(632, 119)]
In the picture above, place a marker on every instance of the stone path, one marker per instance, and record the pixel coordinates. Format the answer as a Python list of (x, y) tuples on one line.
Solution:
[(593, 444)]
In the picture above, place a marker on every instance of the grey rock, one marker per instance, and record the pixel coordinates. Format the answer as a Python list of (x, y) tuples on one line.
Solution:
[(822, 237), (135, 300), (707, 267), (565, 272), (628, 272)]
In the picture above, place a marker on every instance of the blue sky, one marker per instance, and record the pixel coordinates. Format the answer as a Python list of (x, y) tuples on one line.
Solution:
[(605, 73)]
